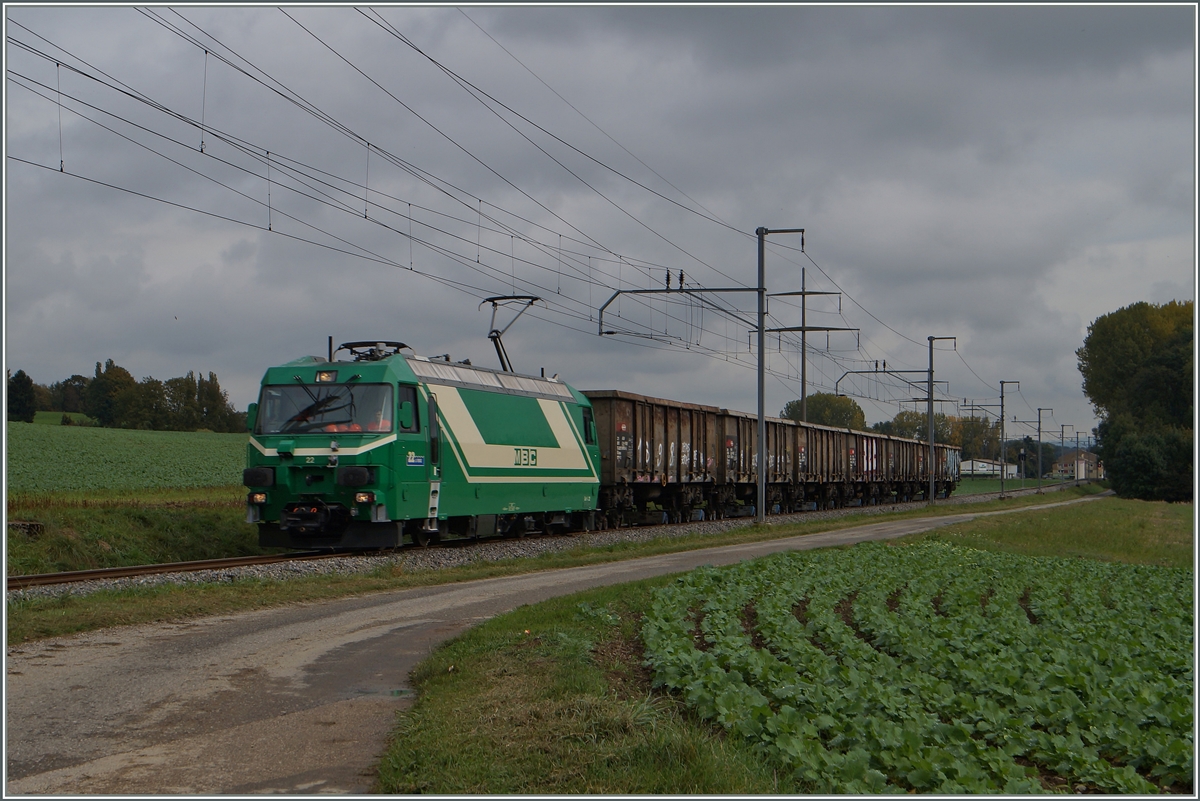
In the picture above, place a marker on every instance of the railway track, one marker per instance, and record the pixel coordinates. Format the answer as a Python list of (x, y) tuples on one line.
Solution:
[(39, 579), (44, 579)]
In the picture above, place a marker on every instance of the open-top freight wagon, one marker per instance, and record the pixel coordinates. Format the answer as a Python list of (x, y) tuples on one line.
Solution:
[(660, 457), (382, 446)]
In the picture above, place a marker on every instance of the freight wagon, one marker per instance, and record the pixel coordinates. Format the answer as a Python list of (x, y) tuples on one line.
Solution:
[(382, 446), (662, 459)]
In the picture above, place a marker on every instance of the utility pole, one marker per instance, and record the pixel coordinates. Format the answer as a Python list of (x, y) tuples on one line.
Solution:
[(804, 329), (1077, 458), (1062, 445), (760, 509), (1039, 435), (1003, 455), (932, 476), (698, 293)]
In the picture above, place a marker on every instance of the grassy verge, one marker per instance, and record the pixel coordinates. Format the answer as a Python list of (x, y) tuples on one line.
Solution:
[(553, 698), (68, 614), (81, 531), (1114, 530)]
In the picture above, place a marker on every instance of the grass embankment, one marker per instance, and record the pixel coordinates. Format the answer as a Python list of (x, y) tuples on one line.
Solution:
[(99, 517), (77, 531), (554, 698), (102, 497)]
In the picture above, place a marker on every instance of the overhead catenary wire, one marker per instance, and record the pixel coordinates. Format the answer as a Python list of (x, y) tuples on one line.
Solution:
[(138, 95), (273, 162), (278, 87), (710, 215), (333, 122), (246, 148), (475, 92)]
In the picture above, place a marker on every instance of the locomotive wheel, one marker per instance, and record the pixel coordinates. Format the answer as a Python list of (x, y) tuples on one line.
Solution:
[(422, 537)]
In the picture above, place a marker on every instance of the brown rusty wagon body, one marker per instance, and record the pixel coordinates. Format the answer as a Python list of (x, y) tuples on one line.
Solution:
[(663, 460)]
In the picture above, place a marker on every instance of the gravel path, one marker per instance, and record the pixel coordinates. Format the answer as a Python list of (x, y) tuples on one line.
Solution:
[(413, 559)]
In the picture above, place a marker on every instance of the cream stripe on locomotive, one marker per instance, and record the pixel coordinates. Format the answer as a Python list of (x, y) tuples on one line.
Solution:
[(473, 453)]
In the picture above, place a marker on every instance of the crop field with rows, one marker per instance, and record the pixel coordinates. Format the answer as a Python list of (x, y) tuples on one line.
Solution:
[(937, 668), (44, 458)]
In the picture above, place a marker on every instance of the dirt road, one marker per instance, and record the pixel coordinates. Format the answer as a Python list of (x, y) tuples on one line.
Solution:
[(297, 700)]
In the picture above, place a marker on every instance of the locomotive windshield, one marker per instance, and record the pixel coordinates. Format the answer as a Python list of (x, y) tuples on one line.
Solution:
[(309, 409)]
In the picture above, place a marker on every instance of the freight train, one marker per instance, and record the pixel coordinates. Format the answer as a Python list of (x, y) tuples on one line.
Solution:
[(382, 447)]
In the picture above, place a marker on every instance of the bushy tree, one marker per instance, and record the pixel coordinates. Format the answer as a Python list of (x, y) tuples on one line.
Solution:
[(1137, 366), (1137, 361), (978, 437), (145, 406), (70, 395), (108, 393), (43, 399), (183, 402), (22, 403), (827, 409), (915, 425)]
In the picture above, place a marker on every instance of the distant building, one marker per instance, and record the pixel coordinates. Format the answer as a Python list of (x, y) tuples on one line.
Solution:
[(986, 468), (1078, 463)]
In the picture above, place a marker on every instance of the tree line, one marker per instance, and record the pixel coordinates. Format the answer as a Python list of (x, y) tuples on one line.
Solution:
[(114, 399), (979, 437)]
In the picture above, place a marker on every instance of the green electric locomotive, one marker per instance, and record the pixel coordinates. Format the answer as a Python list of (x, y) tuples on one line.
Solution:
[(382, 445)]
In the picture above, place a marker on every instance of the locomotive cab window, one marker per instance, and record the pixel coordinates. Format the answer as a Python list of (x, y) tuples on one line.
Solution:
[(589, 427), (325, 408), (408, 420)]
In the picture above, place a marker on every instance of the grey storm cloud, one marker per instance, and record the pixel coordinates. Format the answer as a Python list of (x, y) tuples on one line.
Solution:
[(1003, 174)]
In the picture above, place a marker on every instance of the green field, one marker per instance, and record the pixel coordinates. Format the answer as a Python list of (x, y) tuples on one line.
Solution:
[(556, 698), (974, 486), (48, 458), (938, 668)]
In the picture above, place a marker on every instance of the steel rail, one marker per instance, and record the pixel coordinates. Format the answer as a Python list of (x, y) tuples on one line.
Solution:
[(20, 582), (42, 579)]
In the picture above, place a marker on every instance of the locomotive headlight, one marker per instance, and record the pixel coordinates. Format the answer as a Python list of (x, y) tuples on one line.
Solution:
[(364, 497), (257, 497), (326, 376)]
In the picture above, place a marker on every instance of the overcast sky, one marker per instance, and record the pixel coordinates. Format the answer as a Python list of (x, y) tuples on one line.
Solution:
[(1002, 175)]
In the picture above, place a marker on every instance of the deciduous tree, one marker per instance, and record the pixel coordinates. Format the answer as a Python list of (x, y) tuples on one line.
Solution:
[(827, 409), (109, 385), (1137, 366)]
